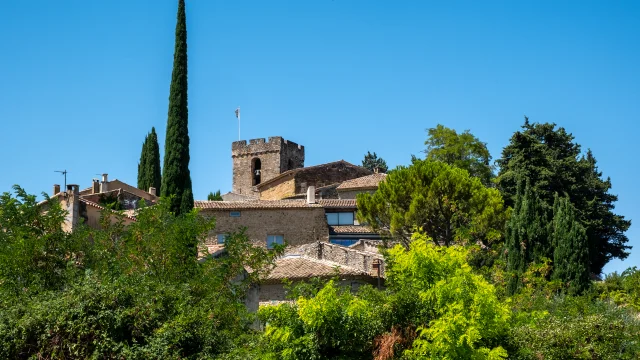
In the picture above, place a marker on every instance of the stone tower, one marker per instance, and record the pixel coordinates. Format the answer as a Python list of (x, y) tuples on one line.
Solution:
[(262, 160)]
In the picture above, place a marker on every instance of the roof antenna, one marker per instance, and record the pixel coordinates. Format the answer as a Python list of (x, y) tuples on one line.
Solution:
[(63, 172)]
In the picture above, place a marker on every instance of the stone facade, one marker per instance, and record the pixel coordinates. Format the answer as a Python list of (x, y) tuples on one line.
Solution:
[(343, 256), (261, 160), (296, 225), (319, 176)]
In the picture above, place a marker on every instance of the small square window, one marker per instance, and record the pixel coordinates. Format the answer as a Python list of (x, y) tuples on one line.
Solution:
[(274, 239), (222, 238), (234, 213)]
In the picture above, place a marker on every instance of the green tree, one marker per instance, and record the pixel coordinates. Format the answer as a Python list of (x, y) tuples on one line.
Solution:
[(149, 165), (214, 196), (526, 236), (571, 253), (176, 179), (464, 151), (373, 162), (550, 159), (443, 201)]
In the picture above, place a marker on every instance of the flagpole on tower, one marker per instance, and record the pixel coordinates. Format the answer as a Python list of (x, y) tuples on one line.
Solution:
[(238, 116)]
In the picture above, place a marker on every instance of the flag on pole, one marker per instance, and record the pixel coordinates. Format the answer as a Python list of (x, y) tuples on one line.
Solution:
[(238, 112)]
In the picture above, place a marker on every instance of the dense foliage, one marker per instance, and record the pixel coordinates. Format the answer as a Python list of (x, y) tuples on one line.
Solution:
[(176, 178), (374, 163), (214, 196), (149, 165), (463, 151), (552, 162), (443, 201), (137, 292)]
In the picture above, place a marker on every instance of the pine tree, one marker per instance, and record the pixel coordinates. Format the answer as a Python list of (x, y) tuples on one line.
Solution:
[(176, 178), (526, 238), (374, 163), (214, 196), (571, 254), (149, 166)]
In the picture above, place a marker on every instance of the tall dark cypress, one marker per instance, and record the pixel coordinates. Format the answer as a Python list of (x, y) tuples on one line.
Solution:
[(149, 166), (571, 253), (176, 179)]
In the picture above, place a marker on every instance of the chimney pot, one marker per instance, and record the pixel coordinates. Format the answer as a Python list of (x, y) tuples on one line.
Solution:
[(104, 185), (152, 191), (95, 188), (74, 189), (311, 194), (56, 188)]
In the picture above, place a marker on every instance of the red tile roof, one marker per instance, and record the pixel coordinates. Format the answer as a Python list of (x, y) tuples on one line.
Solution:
[(365, 182), (351, 229), (338, 203), (294, 171), (301, 267), (97, 206), (254, 204)]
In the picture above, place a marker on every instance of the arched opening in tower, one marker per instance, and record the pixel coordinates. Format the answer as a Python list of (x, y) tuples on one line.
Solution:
[(256, 167), (290, 164)]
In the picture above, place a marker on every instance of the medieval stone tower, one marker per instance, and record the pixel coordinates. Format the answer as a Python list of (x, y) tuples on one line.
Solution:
[(262, 160)]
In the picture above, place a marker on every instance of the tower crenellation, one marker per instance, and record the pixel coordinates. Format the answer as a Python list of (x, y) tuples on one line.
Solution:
[(260, 160)]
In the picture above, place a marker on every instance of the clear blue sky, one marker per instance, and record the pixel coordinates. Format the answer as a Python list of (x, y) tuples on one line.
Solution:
[(82, 82)]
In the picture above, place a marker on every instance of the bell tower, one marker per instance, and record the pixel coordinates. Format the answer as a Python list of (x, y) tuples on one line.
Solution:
[(261, 160)]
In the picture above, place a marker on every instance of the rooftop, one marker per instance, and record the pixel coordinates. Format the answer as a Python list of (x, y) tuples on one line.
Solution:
[(294, 171), (365, 182), (297, 267), (337, 203), (254, 204), (350, 229)]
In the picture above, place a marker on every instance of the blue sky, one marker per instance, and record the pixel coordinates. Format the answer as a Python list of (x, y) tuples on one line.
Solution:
[(82, 82)]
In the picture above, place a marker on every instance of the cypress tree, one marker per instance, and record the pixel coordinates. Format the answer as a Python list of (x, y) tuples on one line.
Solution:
[(526, 238), (571, 254), (149, 166), (176, 178)]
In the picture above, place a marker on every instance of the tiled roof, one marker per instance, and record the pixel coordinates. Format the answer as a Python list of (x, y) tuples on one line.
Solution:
[(365, 182), (290, 172), (337, 203), (254, 204), (301, 267), (350, 229), (97, 206), (213, 250)]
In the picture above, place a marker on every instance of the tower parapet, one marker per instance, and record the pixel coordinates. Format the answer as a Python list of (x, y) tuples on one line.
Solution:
[(260, 160)]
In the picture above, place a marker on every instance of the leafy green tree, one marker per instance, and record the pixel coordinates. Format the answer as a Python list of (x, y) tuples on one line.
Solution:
[(149, 165), (176, 179), (214, 196), (526, 236), (443, 201), (550, 159), (464, 151), (571, 253), (373, 162)]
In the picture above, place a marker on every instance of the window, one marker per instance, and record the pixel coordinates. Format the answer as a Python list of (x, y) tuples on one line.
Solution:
[(222, 238), (234, 213), (274, 239), (340, 218), (343, 242), (256, 168)]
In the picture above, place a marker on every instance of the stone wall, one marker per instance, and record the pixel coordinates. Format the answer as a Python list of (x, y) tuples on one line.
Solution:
[(351, 194), (279, 189), (298, 226), (327, 174), (275, 155), (342, 255)]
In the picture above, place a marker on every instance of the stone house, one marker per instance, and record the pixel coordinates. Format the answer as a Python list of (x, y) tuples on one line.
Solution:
[(86, 206)]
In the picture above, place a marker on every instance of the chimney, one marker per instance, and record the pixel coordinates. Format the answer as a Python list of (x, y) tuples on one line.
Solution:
[(104, 185), (73, 189), (56, 189), (376, 170), (152, 191), (311, 194), (95, 188)]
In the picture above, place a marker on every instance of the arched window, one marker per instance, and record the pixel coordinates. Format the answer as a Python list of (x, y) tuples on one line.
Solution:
[(256, 168)]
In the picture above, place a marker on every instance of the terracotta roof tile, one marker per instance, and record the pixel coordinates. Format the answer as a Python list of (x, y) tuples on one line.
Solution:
[(337, 203), (254, 204), (294, 171), (350, 229), (300, 267), (365, 182)]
